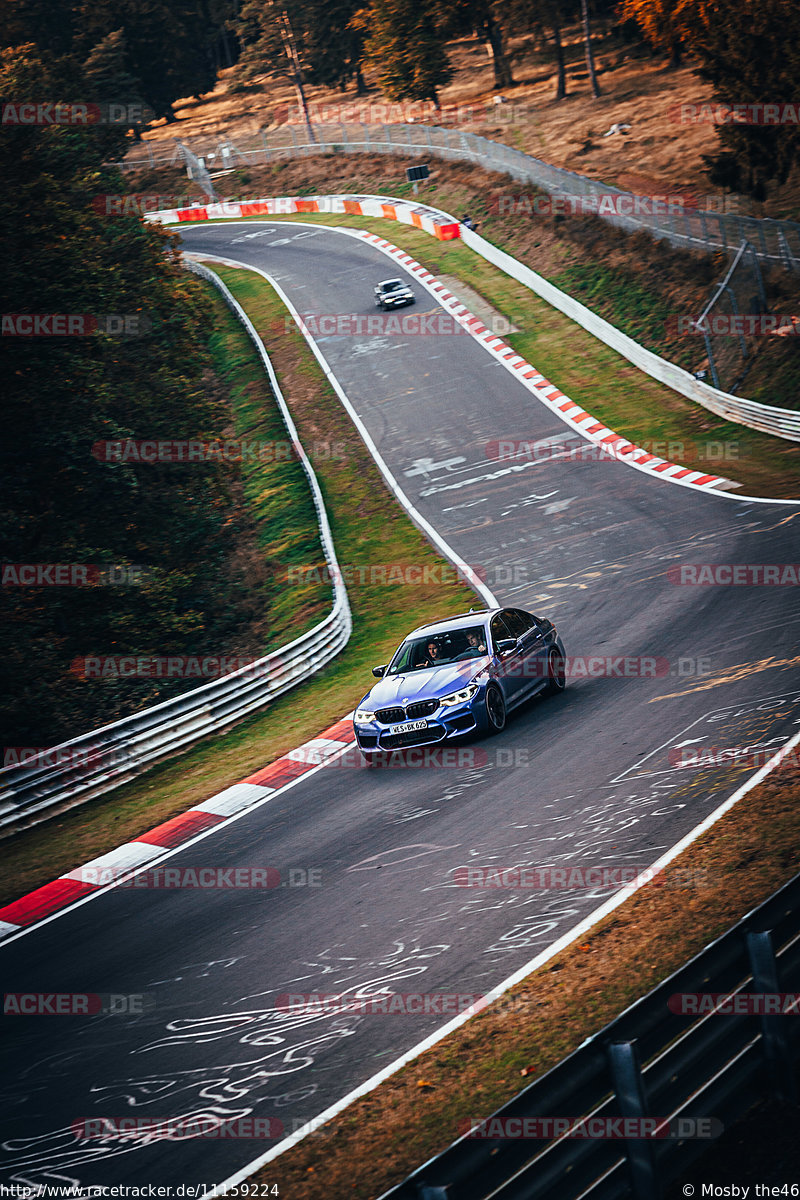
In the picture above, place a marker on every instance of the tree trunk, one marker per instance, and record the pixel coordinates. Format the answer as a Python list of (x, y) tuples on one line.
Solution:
[(561, 86), (361, 87), (676, 53), (227, 47), (494, 37), (296, 72), (587, 37)]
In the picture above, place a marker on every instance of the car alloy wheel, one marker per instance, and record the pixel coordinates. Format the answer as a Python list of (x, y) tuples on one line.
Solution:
[(495, 708), (556, 672)]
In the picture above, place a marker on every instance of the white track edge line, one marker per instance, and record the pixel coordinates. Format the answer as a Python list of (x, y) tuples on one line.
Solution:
[(363, 235), (433, 534), (562, 943)]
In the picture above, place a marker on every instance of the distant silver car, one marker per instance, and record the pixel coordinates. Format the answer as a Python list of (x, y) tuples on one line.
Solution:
[(393, 293)]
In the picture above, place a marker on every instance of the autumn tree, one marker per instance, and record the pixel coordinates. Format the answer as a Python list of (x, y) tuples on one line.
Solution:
[(59, 502), (667, 25), (749, 51), (547, 19), (406, 50), (483, 18)]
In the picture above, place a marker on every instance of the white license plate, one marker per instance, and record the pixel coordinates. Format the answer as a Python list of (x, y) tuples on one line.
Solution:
[(409, 727)]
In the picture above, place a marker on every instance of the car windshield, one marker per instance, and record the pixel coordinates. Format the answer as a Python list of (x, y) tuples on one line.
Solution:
[(393, 285), (453, 646)]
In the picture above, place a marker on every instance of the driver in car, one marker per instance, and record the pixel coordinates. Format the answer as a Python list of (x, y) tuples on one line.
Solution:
[(475, 647), (434, 656)]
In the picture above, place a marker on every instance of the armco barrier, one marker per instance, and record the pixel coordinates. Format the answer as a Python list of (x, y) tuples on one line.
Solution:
[(774, 241), (780, 422), (108, 757), (648, 1063)]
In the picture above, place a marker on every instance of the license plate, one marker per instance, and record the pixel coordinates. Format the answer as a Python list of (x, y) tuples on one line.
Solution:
[(409, 727)]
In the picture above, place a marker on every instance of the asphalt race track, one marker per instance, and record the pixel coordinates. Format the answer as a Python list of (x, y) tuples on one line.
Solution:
[(584, 779)]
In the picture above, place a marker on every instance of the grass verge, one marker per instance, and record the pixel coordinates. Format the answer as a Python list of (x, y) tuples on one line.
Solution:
[(368, 528), (278, 500), (598, 378)]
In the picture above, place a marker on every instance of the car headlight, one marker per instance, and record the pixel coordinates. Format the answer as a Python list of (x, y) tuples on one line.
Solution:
[(362, 717), (460, 697)]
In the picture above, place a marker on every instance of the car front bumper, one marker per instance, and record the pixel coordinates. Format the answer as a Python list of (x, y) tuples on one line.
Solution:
[(444, 724)]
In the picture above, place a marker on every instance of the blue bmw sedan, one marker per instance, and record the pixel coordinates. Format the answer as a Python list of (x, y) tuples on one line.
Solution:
[(459, 676)]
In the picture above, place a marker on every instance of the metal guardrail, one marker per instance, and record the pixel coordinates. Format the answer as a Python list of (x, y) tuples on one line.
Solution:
[(774, 241), (108, 757), (766, 418), (648, 1063)]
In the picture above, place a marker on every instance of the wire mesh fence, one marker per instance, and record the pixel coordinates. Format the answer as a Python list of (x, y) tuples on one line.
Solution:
[(732, 322), (776, 242)]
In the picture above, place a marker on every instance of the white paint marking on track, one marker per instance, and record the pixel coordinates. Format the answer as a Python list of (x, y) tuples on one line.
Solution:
[(430, 532), (567, 939)]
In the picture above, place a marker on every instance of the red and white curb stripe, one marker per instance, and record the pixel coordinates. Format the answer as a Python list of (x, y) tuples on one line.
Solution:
[(172, 835), (569, 411), (442, 226)]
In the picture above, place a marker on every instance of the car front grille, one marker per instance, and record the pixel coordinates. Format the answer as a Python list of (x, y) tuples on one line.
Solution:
[(390, 716), (393, 716)]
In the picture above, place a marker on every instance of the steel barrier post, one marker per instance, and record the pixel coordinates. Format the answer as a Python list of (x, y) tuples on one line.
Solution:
[(626, 1074), (774, 1034)]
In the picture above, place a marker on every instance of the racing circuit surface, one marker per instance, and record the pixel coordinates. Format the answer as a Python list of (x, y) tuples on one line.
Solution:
[(584, 779)]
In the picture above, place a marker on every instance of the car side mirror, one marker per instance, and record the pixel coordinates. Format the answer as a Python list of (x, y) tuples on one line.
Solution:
[(379, 672), (506, 645)]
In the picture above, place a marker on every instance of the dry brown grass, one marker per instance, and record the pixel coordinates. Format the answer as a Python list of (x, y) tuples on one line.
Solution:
[(658, 155)]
